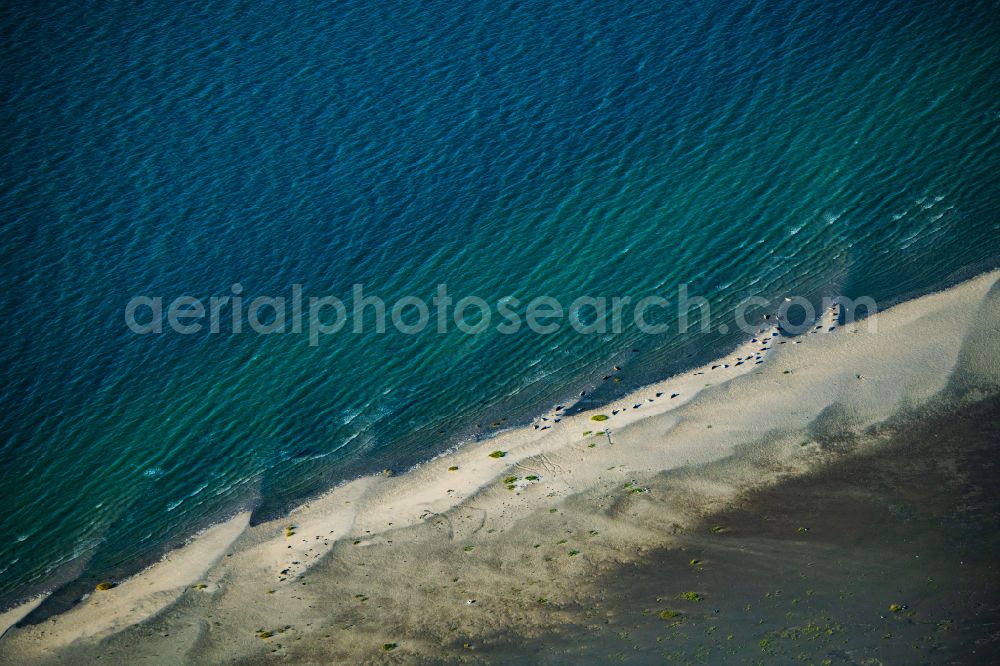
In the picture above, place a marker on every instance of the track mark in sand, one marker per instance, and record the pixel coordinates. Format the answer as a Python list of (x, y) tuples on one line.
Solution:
[(440, 522), (548, 465), (199, 645), (475, 515)]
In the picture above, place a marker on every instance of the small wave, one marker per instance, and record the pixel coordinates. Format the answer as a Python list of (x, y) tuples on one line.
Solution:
[(348, 415), (198, 490), (830, 218)]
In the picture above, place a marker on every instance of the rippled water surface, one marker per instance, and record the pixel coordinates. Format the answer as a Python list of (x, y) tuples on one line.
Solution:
[(521, 149)]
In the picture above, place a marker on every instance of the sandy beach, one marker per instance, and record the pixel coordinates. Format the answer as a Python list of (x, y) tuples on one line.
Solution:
[(506, 542)]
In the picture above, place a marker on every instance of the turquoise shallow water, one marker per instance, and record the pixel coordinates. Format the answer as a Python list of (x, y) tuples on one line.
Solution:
[(522, 149)]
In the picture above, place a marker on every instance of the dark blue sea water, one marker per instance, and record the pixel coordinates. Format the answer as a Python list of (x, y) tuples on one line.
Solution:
[(504, 148)]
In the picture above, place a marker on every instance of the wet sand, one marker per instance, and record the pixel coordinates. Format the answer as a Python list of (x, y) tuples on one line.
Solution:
[(809, 570)]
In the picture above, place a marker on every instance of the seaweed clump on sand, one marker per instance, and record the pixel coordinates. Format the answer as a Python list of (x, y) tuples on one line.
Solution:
[(671, 616)]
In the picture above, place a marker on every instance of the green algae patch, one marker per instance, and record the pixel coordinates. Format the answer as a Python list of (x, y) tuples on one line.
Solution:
[(599, 417), (672, 616), (104, 586), (498, 454), (633, 488)]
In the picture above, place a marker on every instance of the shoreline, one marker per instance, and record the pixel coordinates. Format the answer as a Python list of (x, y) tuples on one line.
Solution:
[(598, 394), (25, 605), (555, 462)]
